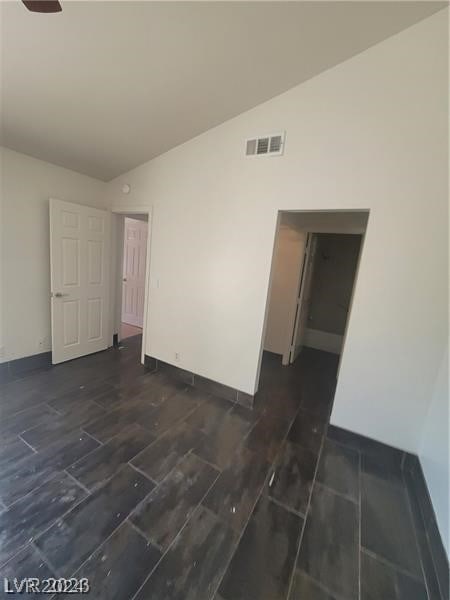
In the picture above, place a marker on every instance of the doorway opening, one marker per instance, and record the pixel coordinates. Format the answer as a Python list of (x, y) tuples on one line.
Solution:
[(135, 235), (132, 232), (313, 276)]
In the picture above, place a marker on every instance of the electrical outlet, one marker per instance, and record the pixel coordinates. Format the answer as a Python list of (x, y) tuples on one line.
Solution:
[(177, 356)]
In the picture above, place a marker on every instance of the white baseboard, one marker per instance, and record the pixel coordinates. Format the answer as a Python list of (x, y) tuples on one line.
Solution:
[(322, 340)]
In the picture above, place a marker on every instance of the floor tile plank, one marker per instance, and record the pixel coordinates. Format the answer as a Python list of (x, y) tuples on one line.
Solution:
[(89, 392), (307, 430), (25, 520), (110, 576), (208, 417), (73, 538), (234, 494), (13, 450), (172, 411), (262, 564), (293, 478), (98, 466), (330, 545), (219, 445), (164, 512), (52, 430), (339, 469), (108, 425), (165, 453), (381, 581), (19, 396), (195, 563), (27, 419), (386, 524), (32, 471), (305, 588), (267, 436), (26, 564)]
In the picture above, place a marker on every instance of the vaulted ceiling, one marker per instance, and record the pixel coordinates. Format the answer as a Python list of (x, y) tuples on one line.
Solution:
[(104, 86)]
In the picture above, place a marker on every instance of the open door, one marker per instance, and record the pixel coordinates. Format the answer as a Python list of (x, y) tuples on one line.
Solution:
[(134, 259), (304, 298), (79, 271)]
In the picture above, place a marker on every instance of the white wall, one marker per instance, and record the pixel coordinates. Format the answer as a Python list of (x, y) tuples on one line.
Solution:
[(370, 133), (285, 276), (26, 186), (1, 265), (434, 451)]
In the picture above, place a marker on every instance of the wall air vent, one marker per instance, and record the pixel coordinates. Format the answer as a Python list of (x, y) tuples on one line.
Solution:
[(267, 145)]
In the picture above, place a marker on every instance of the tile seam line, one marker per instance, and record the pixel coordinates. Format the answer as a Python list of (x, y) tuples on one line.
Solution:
[(291, 583), (73, 573), (258, 496), (330, 490), (41, 533), (391, 565), (134, 596), (44, 558), (240, 536), (19, 413), (323, 587)]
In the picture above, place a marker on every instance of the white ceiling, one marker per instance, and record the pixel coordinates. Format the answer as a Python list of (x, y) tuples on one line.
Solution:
[(105, 86)]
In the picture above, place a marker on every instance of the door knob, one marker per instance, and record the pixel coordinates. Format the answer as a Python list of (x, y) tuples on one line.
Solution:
[(124, 279), (59, 294)]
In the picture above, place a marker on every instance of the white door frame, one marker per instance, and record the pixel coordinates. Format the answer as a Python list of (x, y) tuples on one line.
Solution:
[(305, 281), (129, 211), (288, 355), (296, 302)]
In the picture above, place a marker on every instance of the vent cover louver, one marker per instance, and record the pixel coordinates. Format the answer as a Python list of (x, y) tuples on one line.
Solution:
[(263, 146), (275, 143), (269, 145)]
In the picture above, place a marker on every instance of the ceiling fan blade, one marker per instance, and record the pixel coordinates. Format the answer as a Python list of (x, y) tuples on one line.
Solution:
[(43, 6)]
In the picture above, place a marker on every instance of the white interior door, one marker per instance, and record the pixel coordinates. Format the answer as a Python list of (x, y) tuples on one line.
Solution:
[(304, 298), (134, 258), (79, 269)]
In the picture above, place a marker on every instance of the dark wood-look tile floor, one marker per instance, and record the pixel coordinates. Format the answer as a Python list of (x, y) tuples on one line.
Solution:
[(156, 490)]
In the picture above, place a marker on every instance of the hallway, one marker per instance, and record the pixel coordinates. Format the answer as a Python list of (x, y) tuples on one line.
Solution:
[(101, 460), (127, 331)]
